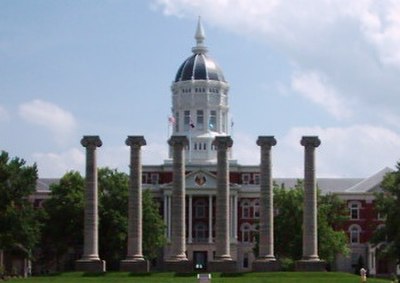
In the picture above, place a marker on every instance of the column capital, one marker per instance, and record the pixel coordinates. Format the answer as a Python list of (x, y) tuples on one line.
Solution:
[(178, 140), (309, 141), (135, 141), (223, 142), (91, 141), (266, 141)]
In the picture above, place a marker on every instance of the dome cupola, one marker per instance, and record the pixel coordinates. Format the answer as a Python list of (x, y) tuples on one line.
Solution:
[(200, 107), (199, 66)]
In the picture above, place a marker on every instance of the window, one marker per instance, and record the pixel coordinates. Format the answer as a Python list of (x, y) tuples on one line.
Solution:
[(200, 120), (354, 210), (154, 178), (213, 120), (144, 178), (200, 209), (245, 179), (256, 209), (245, 228), (381, 217), (256, 179), (186, 120), (354, 231), (200, 232), (245, 209)]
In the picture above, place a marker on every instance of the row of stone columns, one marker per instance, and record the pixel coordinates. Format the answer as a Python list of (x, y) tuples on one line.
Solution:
[(178, 260)]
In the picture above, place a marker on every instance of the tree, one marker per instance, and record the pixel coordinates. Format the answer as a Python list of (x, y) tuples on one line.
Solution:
[(332, 240), (64, 218), (153, 226), (288, 204), (113, 215), (388, 205), (19, 225), (65, 212), (288, 222)]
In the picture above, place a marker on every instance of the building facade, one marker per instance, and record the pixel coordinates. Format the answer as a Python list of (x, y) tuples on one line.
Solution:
[(200, 115)]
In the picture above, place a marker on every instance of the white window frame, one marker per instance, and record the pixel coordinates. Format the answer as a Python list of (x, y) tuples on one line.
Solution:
[(246, 205), (354, 207), (246, 230), (355, 234), (256, 209), (154, 178), (245, 178)]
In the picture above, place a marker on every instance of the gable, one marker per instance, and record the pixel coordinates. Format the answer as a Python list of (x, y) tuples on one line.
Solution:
[(200, 180)]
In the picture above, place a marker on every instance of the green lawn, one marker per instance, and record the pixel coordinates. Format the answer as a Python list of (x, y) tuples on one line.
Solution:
[(121, 277)]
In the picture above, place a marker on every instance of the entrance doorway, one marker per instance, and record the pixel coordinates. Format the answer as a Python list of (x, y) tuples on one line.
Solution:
[(200, 260)]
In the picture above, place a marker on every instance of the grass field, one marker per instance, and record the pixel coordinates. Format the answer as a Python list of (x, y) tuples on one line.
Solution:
[(121, 277)]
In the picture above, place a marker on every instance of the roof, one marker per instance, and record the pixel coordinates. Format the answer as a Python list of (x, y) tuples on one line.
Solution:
[(371, 183), (199, 66), (43, 184)]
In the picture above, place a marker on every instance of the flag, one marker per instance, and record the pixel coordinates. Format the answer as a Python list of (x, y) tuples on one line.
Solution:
[(171, 120)]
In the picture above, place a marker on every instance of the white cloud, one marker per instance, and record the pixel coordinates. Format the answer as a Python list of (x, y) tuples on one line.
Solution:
[(4, 115), (355, 151), (354, 44), (55, 165), (52, 117), (315, 87), (380, 24)]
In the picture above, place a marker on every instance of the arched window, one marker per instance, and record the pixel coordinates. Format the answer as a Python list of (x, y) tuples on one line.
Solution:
[(200, 232), (354, 208), (246, 209), (246, 231), (256, 209), (355, 231)]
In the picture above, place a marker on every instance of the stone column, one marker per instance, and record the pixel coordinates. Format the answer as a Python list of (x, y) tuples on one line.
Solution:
[(178, 260), (266, 260), (223, 260), (90, 261), (310, 260), (134, 261)]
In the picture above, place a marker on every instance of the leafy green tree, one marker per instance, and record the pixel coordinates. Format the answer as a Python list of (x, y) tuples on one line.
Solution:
[(288, 223), (19, 225), (64, 217), (332, 240), (65, 211), (153, 226), (113, 215), (388, 205)]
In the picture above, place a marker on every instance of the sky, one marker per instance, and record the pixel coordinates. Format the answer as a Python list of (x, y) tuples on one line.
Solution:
[(329, 68)]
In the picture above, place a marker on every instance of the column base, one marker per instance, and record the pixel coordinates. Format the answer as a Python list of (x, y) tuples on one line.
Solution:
[(310, 265), (90, 265), (134, 265), (225, 266), (180, 266), (266, 265)]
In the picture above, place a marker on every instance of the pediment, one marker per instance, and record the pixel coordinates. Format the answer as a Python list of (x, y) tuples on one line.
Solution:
[(200, 180)]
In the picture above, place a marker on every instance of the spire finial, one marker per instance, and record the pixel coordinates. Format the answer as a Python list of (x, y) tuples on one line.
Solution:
[(199, 36)]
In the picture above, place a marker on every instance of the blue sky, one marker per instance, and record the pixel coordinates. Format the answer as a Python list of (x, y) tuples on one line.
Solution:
[(326, 68)]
